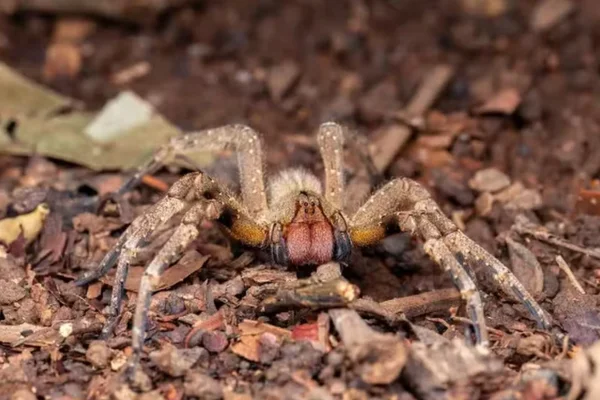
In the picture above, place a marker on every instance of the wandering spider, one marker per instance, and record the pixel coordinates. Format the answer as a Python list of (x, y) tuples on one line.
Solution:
[(298, 221)]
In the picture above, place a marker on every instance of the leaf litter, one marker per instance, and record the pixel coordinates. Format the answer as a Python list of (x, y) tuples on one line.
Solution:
[(208, 337)]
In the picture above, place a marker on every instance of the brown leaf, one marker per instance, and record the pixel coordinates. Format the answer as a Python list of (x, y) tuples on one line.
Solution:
[(504, 102), (548, 13), (526, 267), (94, 290), (249, 345), (588, 202), (53, 239), (489, 180), (63, 60), (379, 357), (177, 273)]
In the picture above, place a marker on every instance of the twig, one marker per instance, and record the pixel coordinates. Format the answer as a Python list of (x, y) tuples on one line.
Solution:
[(562, 264), (144, 11), (155, 183), (395, 136), (549, 238), (336, 293), (388, 146), (424, 303)]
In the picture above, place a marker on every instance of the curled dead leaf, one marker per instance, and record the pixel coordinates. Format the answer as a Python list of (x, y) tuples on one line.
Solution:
[(29, 225)]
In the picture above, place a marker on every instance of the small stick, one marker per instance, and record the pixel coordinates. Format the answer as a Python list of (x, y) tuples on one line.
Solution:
[(336, 293), (147, 10), (155, 183), (386, 147), (549, 238), (423, 303), (392, 142), (562, 264)]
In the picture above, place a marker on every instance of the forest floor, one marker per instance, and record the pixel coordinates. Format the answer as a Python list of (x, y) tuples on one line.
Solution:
[(494, 111)]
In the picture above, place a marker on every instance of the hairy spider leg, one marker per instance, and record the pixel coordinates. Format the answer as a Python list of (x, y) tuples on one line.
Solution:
[(411, 206)]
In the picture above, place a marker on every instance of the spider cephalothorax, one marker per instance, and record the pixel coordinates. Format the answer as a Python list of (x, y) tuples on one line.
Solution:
[(299, 221)]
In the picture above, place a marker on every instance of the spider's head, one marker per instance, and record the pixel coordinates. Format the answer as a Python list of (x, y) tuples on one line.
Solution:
[(307, 231)]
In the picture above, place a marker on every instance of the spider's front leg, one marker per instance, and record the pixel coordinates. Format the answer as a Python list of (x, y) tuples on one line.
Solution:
[(179, 197), (185, 234), (407, 203), (245, 141)]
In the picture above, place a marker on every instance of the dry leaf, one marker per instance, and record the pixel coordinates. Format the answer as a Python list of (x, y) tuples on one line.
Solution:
[(63, 60), (526, 267), (548, 13), (94, 290), (170, 277), (250, 335), (29, 225), (504, 102)]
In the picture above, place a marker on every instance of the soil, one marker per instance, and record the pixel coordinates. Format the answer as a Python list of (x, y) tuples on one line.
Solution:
[(521, 101)]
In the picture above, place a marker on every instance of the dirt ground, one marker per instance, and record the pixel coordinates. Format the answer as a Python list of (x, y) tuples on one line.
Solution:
[(510, 149)]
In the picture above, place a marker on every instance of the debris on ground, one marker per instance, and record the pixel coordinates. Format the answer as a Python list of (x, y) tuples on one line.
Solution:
[(489, 104)]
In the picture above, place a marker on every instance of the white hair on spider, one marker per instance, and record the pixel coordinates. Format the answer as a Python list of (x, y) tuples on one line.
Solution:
[(291, 182)]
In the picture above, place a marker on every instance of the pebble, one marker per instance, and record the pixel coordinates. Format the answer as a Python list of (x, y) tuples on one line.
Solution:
[(202, 386), (176, 362), (281, 79), (215, 341), (98, 354), (489, 180), (10, 292)]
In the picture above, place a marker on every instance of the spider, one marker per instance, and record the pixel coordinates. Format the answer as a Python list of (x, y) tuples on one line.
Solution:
[(297, 220)]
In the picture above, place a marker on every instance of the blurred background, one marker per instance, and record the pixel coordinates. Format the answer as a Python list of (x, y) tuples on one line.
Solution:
[(521, 96)]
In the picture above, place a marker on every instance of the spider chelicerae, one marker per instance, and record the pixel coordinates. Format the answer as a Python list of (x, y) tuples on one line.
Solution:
[(298, 220)]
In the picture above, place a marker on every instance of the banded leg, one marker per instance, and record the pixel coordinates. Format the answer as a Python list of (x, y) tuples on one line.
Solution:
[(182, 237), (416, 212), (331, 139), (173, 203), (439, 252), (331, 145), (179, 196), (245, 142), (461, 243)]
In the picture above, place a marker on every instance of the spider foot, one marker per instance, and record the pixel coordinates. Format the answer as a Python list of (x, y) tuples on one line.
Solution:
[(442, 255), (459, 243)]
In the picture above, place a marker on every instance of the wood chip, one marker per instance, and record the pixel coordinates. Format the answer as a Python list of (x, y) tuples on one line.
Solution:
[(588, 202), (10, 334), (484, 204), (504, 102), (250, 333), (169, 278), (94, 290), (379, 357), (548, 13), (489, 180), (282, 78), (424, 303), (63, 60), (526, 267), (131, 73)]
